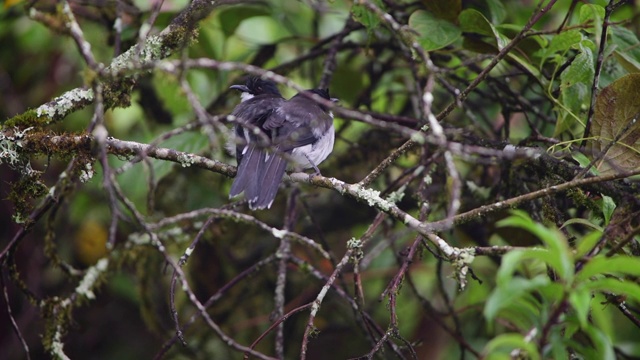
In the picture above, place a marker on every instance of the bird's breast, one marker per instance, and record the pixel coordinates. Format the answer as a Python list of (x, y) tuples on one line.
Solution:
[(316, 152)]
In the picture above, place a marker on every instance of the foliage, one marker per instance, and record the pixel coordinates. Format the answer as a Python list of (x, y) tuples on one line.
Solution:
[(480, 201)]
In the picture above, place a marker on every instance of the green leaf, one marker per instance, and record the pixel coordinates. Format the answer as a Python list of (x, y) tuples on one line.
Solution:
[(433, 33), (561, 43), (624, 265), (512, 260), (592, 15), (580, 299), (587, 243), (365, 16), (575, 87), (497, 11), (558, 346), (627, 62), (601, 344), (270, 30), (510, 294), (472, 21), (581, 221), (444, 9), (506, 343), (626, 52), (584, 161), (608, 206), (581, 69), (231, 18), (559, 256), (616, 127), (615, 286)]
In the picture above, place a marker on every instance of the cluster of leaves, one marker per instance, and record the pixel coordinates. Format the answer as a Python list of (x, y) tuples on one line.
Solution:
[(435, 96), (554, 291)]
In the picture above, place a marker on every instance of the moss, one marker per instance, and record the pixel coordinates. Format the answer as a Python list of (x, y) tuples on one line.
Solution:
[(179, 37), (27, 119), (57, 314), (23, 193), (62, 146), (118, 93)]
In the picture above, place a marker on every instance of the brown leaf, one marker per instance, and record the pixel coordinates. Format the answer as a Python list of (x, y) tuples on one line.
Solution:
[(616, 128)]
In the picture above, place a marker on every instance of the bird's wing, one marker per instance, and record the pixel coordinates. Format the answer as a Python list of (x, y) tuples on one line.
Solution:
[(298, 122), (252, 114)]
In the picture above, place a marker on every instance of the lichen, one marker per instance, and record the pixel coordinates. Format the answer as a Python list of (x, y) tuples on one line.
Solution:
[(460, 259), (91, 278), (87, 173), (372, 197), (62, 105), (186, 160), (396, 196), (278, 234)]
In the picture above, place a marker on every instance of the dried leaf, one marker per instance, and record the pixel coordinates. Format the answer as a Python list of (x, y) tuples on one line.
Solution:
[(615, 126)]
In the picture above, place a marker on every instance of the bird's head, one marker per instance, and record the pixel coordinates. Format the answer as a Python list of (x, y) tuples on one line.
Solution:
[(324, 93), (256, 86)]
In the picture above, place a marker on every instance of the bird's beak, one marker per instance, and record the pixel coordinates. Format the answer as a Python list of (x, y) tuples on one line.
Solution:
[(335, 100), (242, 88)]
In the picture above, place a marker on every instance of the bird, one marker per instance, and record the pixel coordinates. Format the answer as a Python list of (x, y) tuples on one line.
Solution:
[(272, 132)]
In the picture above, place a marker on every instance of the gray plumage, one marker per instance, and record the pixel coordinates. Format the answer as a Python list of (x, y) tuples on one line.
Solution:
[(271, 132)]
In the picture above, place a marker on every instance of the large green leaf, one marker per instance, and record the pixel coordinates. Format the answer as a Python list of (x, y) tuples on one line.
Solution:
[(231, 18), (511, 293), (626, 52), (575, 86), (433, 33), (591, 15), (616, 287), (506, 343), (444, 9), (559, 256), (365, 16), (615, 126), (580, 300), (561, 43), (626, 265)]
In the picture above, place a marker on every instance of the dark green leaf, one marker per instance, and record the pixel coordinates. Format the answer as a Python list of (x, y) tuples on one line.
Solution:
[(510, 294), (608, 206), (434, 33), (231, 18), (602, 346), (587, 243), (561, 43), (506, 343), (575, 86), (616, 287), (600, 265), (444, 9), (592, 15), (580, 299), (365, 16), (559, 255), (472, 21), (627, 52), (497, 11)]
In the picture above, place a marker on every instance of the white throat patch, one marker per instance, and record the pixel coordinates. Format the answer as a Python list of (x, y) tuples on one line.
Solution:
[(245, 96)]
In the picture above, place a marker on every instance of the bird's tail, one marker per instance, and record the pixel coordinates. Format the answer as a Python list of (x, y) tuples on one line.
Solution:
[(259, 176), (248, 173), (272, 172)]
